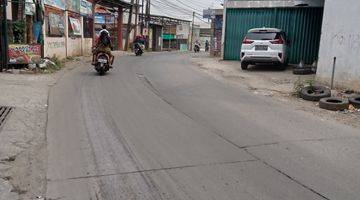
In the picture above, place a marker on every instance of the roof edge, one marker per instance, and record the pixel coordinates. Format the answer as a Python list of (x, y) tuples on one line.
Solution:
[(274, 3)]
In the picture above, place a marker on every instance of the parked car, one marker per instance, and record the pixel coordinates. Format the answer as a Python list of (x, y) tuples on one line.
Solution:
[(264, 46)]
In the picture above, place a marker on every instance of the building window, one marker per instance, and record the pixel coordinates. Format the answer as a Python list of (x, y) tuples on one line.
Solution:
[(88, 27)]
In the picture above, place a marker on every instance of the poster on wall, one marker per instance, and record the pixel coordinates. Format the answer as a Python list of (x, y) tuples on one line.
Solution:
[(56, 3), (73, 5), (56, 24), (24, 53), (29, 7), (218, 22), (86, 8), (75, 25)]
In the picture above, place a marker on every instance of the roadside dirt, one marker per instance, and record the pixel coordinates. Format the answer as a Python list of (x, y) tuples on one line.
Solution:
[(270, 82), (23, 140), (23, 150)]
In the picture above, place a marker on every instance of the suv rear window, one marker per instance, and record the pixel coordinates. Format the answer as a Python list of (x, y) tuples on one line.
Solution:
[(263, 36)]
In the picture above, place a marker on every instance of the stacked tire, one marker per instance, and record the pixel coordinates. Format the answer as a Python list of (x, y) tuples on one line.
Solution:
[(355, 101), (315, 93), (302, 71), (334, 104)]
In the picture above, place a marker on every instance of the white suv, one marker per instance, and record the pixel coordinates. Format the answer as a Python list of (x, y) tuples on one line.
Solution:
[(264, 45)]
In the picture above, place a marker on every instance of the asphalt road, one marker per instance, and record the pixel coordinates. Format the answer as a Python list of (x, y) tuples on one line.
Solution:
[(157, 128)]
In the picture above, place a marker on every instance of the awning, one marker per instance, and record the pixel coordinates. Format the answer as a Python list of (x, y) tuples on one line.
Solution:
[(114, 3)]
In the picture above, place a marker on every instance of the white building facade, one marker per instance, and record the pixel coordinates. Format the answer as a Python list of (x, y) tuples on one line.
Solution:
[(340, 39)]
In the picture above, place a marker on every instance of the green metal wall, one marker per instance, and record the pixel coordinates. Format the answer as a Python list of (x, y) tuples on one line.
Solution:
[(302, 26)]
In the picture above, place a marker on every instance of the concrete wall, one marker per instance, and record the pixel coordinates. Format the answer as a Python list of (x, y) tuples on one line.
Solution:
[(55, 46), (341, 39), (74, 47), (63, 47), (183, 30), (9, 11), (86, 46)]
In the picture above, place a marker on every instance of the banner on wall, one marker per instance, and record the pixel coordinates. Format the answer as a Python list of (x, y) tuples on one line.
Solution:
[(56, 24), (56, 3), (75, 25), (73, 5), (24, 53), (86, 7), (29, 7)]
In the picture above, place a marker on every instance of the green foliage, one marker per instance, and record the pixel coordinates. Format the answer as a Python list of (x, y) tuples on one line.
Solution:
[(51, 68), (19, 28), (299, 84)]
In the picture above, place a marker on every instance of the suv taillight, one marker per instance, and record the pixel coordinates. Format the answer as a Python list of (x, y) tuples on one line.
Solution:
[(247, 41), (278, 41)]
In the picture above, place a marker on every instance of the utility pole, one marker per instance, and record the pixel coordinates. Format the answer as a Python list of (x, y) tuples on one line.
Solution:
[(148, 5), (142, 18), (136, 18), (192, 32), (4, 42), (128, 30)]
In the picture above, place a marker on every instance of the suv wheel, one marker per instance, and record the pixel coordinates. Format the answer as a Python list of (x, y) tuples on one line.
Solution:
[(244, 65)]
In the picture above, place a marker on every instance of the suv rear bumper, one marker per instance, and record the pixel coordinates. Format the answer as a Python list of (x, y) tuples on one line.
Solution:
[(273, 57)]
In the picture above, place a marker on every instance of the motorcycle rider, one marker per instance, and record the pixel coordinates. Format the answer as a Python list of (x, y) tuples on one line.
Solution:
[(207, 45), (197, 45), (103, 45), (139, 40)]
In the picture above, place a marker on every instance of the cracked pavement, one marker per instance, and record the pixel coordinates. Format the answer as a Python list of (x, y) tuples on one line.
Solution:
[(22, 138), (156, 127)]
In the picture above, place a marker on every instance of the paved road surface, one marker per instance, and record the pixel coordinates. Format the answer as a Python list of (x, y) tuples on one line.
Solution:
[(157, 128)]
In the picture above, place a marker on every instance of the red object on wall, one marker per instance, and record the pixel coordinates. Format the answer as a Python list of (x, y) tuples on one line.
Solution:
[(119, 28)]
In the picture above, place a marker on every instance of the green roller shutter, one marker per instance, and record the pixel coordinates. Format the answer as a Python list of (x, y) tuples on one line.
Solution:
[(302, 26)]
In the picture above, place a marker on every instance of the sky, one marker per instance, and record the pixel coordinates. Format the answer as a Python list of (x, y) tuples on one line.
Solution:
[(184, 9)]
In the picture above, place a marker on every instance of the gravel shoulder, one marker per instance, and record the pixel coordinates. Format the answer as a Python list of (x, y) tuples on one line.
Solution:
[(23, 149), (270, 82), (23, 140)]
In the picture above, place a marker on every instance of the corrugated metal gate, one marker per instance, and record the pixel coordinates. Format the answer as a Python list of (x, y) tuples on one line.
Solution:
[(302, 26)]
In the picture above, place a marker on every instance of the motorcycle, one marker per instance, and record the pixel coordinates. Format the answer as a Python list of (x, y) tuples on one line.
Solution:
[(207, 48), (197, 48), (138, 49), (102, 63)]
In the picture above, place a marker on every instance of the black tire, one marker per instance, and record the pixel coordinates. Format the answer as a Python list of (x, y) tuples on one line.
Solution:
[(314, 93), (283, 66), (303, 71), (355, 101), (334, 104), (101, 72), (244, 65)]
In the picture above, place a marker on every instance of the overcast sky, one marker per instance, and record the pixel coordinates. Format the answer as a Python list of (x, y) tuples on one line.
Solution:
[(183, 9)]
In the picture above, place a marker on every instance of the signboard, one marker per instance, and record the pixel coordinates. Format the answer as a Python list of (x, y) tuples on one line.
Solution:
[(207, 14), (75, 26), (73, 5), (24, 53), (168, 36), (29, 7), (86, 7), (99, 19), (56, 3), (145, 31), (56, 24)]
